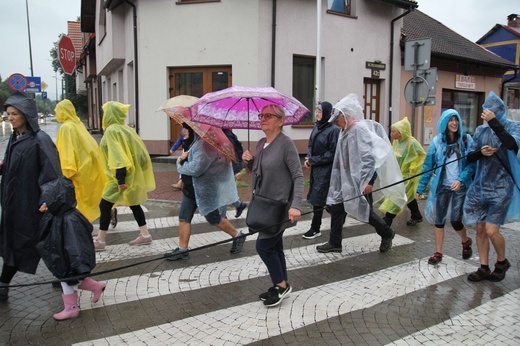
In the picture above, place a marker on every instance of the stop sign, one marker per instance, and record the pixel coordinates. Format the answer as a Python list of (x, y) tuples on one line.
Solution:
[(67, 54)]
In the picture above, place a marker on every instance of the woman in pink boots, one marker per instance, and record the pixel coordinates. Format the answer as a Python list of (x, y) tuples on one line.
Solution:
[(66, 245)]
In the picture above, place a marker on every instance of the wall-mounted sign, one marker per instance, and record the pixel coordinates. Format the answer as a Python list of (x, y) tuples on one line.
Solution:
[(375, 67), (465, 82)]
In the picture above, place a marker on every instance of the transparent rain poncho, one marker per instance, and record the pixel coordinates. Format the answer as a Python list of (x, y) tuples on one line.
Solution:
[(436, 158), (213, 179), (363, 149), (497, 176), (81, 160), (410, 156), (123, 148)]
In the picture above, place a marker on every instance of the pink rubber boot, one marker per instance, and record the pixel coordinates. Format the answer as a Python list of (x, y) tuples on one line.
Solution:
[(70, 301), (93, 286)]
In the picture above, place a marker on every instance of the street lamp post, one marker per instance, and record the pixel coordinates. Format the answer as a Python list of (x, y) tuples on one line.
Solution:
[(29, 32)]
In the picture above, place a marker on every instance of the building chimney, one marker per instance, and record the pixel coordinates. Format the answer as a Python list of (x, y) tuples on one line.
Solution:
[(513, 20)]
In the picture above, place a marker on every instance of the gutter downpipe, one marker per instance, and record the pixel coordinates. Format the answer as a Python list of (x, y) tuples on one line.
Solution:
[(390, 87), (273, 45), (136, 68)]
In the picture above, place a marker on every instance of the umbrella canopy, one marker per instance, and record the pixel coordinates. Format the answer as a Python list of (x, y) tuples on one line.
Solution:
[(180, 100), (213, 135), (238, 107)]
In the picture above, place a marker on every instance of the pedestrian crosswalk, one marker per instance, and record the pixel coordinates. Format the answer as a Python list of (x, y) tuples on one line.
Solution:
[(359, 296)]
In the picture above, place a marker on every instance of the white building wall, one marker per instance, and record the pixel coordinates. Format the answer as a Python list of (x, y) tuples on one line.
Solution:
[(238, 33)]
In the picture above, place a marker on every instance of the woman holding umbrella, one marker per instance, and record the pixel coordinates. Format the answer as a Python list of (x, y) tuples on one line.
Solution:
[(277, 174)]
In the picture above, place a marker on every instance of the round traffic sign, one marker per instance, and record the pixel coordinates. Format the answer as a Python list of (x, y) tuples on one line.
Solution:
[(17, 82), (421, 91), (67, 55)]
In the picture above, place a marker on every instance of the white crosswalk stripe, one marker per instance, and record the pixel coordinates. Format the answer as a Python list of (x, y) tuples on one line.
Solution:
[(252, 322)]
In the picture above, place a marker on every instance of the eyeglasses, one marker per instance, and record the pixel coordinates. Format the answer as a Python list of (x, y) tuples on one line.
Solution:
[(268, 116)]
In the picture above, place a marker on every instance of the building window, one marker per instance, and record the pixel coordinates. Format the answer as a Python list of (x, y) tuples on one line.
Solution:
[(303, 84), (340, 6), (467, 104)]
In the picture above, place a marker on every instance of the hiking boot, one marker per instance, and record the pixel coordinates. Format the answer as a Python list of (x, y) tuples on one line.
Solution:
[(413, 222), (311, 234), (435, 259), (386, 243), (141, 240), (500, 271), (277, 295), (238, 243), (99, 245), (4, 293), (113, 217), (240, 209), (479, 275), (466, 249), (270, 291), (328, 247), (177, 254)]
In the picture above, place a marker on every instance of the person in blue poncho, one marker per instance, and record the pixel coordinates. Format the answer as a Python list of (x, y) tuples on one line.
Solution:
[(494, 196), (448, 182)]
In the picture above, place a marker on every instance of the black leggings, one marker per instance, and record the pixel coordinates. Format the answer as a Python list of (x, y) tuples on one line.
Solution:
[(8, 273), (106, 206)]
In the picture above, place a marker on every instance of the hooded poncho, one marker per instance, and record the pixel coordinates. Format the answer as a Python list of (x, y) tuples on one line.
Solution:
[(81, 160), (496, 176), (410, 157), (363, 149), (29, 162), (434, 168), (123, 148)]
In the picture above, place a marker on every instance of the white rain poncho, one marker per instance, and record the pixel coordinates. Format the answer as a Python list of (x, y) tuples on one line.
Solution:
[(212, 174), (363, 149), (498, 175)]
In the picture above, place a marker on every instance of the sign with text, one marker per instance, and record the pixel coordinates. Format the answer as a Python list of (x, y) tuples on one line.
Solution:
[(67, 55), (34, 84), (375, 66), (465, 82)]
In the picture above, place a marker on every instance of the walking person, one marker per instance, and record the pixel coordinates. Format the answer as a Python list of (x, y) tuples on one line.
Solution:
[(320, 155), (410, 156), (209, 185), (179, 143), (66, 245), (237, 167), (363, 156), (494, 196), (30, 161), (81, 160), (129, 173), (276, 174), (448, 183)]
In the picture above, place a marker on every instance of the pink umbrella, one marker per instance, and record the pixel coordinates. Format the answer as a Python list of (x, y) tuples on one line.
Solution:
[(238, 107)]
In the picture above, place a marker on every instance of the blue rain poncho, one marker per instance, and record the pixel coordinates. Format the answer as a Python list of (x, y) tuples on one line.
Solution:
[(123, 148), (410, 156), (212, 174), (436, 158), (497, 176), (81, 160), (363, 148)]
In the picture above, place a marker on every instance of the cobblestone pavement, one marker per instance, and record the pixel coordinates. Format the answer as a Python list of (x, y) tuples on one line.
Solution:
[(357, 297)]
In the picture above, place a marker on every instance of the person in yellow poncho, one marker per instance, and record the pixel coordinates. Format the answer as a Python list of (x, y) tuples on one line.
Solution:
[(81, 160), (129, 172), (410, 155)]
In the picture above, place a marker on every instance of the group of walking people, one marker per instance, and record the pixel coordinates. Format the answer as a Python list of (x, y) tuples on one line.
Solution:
[(50, 194), (470, 180)]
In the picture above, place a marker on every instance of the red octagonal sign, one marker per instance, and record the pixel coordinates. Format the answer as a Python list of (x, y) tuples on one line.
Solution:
[(67, 54)]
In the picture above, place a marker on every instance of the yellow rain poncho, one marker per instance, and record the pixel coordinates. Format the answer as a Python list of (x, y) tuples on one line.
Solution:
[(123, 148), (410, 155), (81, 160)]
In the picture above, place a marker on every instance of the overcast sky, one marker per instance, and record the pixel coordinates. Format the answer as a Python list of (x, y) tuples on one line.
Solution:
[(48, 19)]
